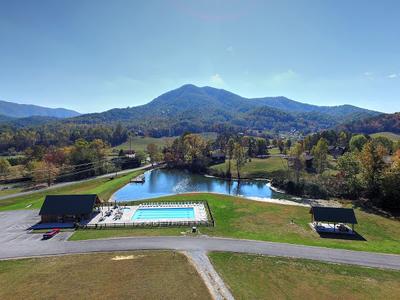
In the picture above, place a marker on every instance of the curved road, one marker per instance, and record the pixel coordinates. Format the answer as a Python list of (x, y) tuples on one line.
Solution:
[(63, 184), (42, 248)]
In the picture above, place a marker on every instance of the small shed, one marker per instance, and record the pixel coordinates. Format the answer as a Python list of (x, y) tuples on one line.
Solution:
[(68, 208), (322, 217)]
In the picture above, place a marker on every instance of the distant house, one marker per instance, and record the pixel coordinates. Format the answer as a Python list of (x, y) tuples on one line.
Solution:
[(217, 157), (127, 153), (308, 160), (68, 208), (336, 151)]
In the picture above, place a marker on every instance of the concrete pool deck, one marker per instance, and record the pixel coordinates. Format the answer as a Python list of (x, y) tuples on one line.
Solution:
[(125, 214)]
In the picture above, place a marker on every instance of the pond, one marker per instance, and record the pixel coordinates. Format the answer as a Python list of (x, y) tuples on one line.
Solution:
[(164, 182)]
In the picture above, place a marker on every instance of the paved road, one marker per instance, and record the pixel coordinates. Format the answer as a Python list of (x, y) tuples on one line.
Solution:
[(63, 184), (16, 242)]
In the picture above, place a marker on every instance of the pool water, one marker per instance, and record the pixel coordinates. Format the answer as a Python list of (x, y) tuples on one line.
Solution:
[(164, 213)]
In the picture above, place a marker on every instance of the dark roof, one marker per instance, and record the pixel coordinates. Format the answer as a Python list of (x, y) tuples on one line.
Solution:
[(333, 214), (68, 204)]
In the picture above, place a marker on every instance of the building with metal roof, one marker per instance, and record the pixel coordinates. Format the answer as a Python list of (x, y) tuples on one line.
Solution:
[(68, 208)]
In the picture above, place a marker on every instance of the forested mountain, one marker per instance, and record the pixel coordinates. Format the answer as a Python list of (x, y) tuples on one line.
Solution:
[(192, 108), (383, 122), (16, 110), (188, 108)]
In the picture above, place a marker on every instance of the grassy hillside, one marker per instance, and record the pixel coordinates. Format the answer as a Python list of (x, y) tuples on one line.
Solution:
[(390, 135), (263, 277), (256, 168), (140, 143), (237, 217), (104, 187), (118, 275)]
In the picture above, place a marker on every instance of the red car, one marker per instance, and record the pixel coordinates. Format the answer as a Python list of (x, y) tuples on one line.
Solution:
[(51, 233)]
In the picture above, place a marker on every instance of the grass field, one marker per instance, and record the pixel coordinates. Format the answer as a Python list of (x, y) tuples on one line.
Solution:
[(119, 275), (139, 143), (240, 218), (256, 168), (263, 277), (390, 135), (103, 187), (10, 191)]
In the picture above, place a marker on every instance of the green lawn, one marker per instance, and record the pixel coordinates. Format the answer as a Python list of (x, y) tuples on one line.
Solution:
[(245, 219), (103, 187), (10, 191), (390, 135), (256, 168), (263, 277), (118, 275), (140, 143)]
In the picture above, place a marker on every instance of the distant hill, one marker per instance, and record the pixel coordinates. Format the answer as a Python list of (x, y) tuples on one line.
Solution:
[(390, 135), (192, 108), (27, 121), (16, 110), (381, 123)]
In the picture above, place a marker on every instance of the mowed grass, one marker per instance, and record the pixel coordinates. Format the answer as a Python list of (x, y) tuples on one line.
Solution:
[(390, 135), (118, 275), (10, 191), (263, 277), (256, 168), (140, 143), (238, 217), (103, 187)]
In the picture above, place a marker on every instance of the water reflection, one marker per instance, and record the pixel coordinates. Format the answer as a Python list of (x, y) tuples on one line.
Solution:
[(163, 182)]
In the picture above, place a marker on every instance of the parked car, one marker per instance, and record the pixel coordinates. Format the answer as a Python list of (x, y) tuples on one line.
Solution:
[(51, 233)]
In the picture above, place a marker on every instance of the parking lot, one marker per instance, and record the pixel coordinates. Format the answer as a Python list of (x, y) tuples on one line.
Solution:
[(14, 228)]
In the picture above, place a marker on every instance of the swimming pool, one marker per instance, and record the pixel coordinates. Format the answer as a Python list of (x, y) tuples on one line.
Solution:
[(164, 213)]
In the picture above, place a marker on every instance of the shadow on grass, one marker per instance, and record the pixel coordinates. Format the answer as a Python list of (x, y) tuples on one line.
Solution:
[(342, 236)]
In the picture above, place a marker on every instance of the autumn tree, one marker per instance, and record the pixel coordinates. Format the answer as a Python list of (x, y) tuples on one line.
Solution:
[(296, 160), (372, 166), (154, 153), (44, 172), (239, 156), (4, 167), (230, 151)]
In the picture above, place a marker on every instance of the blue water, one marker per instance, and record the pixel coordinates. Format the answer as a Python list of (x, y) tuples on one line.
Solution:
[(164, 182), (164, 213)]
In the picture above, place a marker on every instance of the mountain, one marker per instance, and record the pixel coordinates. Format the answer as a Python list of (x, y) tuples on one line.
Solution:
[(192, 108), (381, 123), (16, 110)]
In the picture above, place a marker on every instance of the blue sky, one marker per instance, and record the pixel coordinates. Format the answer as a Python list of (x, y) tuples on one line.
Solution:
[(95, 55)]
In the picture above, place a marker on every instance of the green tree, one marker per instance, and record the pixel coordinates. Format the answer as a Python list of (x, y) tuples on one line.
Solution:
[(391, 186), (343, 139), (357, 142), (349, 168), (320, 153)]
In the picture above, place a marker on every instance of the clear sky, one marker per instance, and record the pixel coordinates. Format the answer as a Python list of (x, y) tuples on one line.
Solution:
[(95, 55)]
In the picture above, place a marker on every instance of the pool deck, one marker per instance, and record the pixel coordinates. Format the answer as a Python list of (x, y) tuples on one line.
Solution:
[(124, 214)]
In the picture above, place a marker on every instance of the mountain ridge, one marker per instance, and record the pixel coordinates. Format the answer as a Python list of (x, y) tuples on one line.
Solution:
[(17, 110)]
